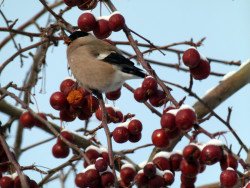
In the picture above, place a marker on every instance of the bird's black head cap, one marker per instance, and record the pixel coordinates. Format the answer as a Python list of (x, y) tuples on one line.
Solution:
[(75, 35)]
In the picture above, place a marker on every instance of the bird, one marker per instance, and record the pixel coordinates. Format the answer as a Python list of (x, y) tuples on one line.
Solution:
[(97, 65)]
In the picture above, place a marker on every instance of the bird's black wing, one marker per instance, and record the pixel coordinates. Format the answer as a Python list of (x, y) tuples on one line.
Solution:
[(124, 64)]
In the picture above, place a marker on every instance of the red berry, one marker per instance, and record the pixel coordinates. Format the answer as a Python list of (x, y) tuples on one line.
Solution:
[(58, 101), (188, 181), (134, 126), (60, 150), (159, 138), (189, 169), (202, 71), (173, 134), (67, 83), (92, 153), (83, 91), (168, 121), (87, 4), (6, 182), (127, 174), (169, 178), (86, 22), (150, 85), (39, 123), (92, 177), (185, 119), (162, 163), (33, 184), (121, 134), (228, 161), (134, 137), (67, 135), (70, 3), (17, 182), (80, 180), (156, 181), (158, 98), (91, 104), (228, 178), (140, 95), (27, 120), (191, 153), (191, 58), (141, 179), (175, 161), (149, 170), (116, 22), (102, 29), (211, 154), (101, 165), (111, 114), (118, 116), (107, 179), (114, 95), (4, 167), (66, 115)]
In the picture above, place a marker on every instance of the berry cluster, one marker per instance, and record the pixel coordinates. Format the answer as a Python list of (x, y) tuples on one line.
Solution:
[(114, 114), (130, 130), (97, 174), (173, 121), (102, 27), (60, 149), (73, 101), (199, 66), (150, 90), (27, 120), (13, 181)]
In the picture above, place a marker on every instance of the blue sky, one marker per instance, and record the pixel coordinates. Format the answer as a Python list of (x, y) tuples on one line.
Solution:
[(224, 23)]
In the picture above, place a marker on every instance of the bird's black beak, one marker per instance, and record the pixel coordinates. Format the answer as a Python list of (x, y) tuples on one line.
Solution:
[(67, 41)]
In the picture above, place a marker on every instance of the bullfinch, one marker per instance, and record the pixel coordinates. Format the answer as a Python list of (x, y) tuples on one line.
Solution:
[(97, 65)]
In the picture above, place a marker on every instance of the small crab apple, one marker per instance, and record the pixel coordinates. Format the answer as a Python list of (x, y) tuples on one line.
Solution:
[(134, 126), (101, 164), (202, 71), (168, 177), (156, 181), (33, 184), (188, 181), (67, 135), (60, 150), (168, 121), (228, 160), (134, 137), (113, 95), (17, 182), (83, 91), (92, 177), (27, 120), (191, 57), (149, 170), (39, 123), (185, 118), (75, 98), (70, 3), (191, 153), (4, 167), (175, 160), (107, 179), (140, 95), (83, 115), (127, 173), (162, 163), (66, 115), (141, 179), (158, 98), (159, 138), (68, 82), (121, 134), (80, 180), (111, 115), (58, 101), (86, 22), (173, 134), (116, 21), (87, 4), (90, 104), (189, 169), (228, 178), (6, 182), (150, 85), (118, 115), (102, 29), (93, 152), (211, 154)]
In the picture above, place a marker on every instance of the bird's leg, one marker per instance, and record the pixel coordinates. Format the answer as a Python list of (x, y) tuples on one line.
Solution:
[(108, 134)]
